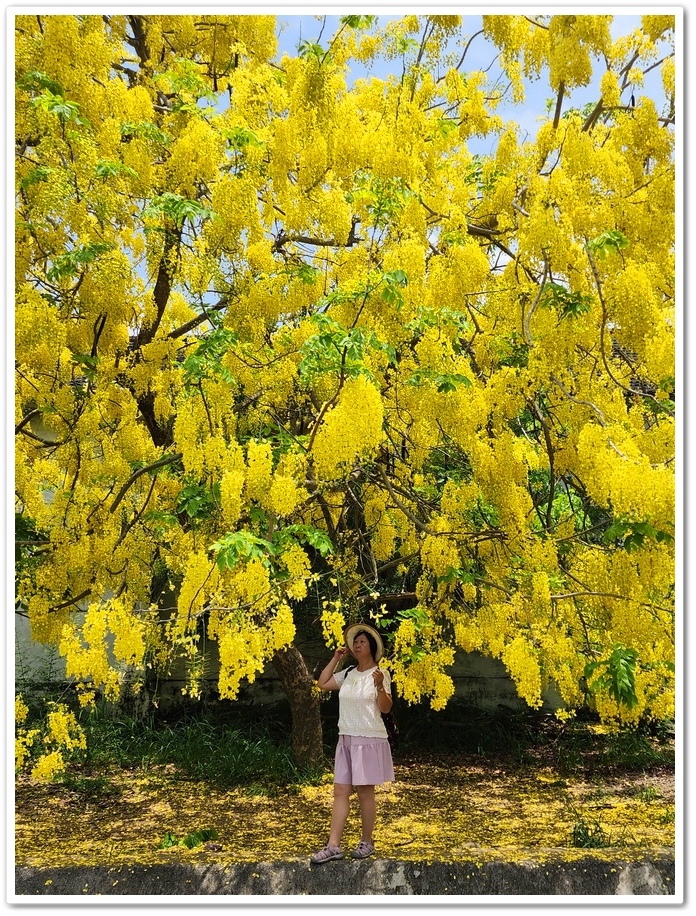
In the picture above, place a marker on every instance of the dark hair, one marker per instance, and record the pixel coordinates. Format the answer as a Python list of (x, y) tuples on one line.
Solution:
[(370, 638)]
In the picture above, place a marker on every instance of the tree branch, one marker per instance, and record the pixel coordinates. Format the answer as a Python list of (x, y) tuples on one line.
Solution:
[(407, 512), (163, 462), (29, 417), (559, 105), (59, 607)]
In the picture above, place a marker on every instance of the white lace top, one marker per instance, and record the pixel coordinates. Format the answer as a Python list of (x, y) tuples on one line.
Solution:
[(358, 712)]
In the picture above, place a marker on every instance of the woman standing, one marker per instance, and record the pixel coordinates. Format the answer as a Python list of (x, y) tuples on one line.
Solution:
[(363, 756)]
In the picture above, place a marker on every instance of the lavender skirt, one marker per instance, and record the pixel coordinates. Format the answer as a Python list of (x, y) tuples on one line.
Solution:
[(363, 761)]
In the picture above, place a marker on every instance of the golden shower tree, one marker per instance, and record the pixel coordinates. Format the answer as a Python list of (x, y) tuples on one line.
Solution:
[(289, 353)]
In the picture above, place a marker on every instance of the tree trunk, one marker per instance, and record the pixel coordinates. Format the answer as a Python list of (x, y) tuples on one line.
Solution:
[(306, 739)]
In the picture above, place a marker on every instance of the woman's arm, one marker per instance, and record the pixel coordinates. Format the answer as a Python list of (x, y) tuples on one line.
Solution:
[(384, 699), (326, 680)]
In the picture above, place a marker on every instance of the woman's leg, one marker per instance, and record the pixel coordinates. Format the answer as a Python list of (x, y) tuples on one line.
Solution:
[(339, 814), (368, 811)]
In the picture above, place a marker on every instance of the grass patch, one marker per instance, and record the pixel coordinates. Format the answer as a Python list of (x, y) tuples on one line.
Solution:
[(89, 788), (192, 748), (190, 841), (589, 833)]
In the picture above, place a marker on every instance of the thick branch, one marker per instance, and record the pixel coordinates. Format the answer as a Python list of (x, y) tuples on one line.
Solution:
[(163, 287), (559, 105), (163, 462), (550, 453), (528, 317), (286, 237), (29, 417), (60, 607), (407, 512), (198, 319)]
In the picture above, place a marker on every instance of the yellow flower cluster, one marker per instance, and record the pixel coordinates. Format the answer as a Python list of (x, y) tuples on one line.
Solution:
[(63, 728), (231, 487), (571, 39), (541, 592), (296, 561), (251, 583), (86, 654), (380, 523), (21, 710), (635, 306), (610, 89), (350, 430), (48, 766), (333, 623), (426, 677), (242, 656), (259, 470), (522, 663), (201, 577), (190, 422), (439, 554), (40, 335), (282, 629), (129, 630), (467, 634), (283, 495), (655, 26), (627, 483), (60, 732), (23, 744), (194, 159)]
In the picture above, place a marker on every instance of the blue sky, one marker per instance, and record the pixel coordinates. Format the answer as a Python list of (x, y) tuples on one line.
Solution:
[(320, 24)]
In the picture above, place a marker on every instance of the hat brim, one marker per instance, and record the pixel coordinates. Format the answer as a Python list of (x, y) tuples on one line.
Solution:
[(351, 632)]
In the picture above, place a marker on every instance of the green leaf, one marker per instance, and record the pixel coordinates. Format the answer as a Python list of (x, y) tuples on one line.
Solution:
[(444, 382), (59, 106), (632, 535), (308, 274), (240, 137), (310, 49), (177, 208), (197, 501), (358, 22), (618, 679), (416, 614), (446, 126), (315, 537), (608, 242), (240, 546), (107, 169), (70, 263), (206, 359), (569, 303), (36, 79), (145, 129), (40, 173)]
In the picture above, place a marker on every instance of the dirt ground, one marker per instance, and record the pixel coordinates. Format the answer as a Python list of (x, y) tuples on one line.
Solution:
[(446, 810)]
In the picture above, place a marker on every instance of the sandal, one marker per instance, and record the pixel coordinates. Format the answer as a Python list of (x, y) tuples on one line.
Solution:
[(362, 850), (327, 854)]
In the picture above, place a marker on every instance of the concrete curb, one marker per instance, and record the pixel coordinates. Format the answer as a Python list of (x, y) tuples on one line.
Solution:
[(650, 873)]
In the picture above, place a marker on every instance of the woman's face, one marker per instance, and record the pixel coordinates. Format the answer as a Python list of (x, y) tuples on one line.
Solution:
[(361, 647)]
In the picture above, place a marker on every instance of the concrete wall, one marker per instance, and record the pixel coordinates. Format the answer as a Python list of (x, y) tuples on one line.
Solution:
[(648, 873), (479, 682)]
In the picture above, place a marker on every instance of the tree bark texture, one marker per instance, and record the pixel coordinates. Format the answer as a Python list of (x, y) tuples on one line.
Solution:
[(305, 707)]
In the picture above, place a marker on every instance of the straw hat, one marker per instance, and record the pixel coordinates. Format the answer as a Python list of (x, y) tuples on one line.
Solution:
[(352, 631)]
